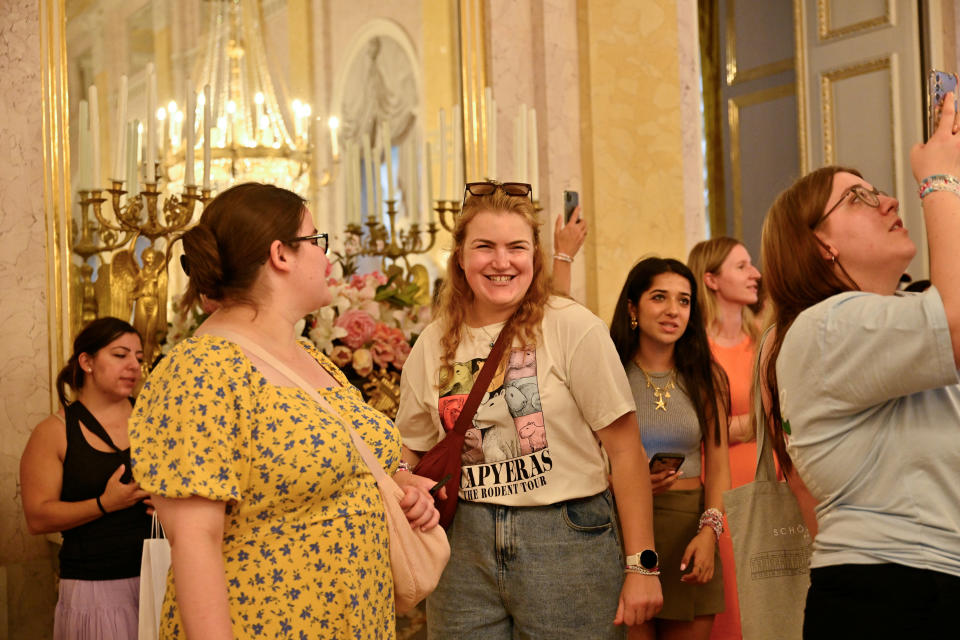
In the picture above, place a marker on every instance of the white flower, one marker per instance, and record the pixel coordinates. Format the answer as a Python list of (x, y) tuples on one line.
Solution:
[(324, 333)]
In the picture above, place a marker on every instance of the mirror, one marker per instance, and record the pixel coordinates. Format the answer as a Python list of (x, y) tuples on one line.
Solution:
[(336, 102)]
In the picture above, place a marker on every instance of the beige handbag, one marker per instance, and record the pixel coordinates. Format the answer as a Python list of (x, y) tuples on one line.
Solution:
[(417, 558)]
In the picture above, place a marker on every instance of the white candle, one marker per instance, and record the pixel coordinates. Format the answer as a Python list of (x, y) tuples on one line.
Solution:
[(443, 194), (378, 186), (149, 158), (534, 156), (356, 184), (207, 125), (83, 147), (133, 157), (457, 179), (334, 123), (368, 181), (388, 151), (428, 170), (190, 139), (523, 174), (492, 140), (94, 137), (120, 129)]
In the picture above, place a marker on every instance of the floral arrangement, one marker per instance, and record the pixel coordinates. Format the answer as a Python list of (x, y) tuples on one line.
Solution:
[(371, 323)]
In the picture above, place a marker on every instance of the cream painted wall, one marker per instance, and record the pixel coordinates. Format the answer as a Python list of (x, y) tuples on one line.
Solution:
[(26, 567), (631, 139)]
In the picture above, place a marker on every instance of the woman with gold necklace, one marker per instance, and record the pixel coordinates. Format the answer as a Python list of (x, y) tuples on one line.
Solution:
[(682, 405)]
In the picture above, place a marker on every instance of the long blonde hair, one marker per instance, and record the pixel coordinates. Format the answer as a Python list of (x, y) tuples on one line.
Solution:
[(456, 296), (707, 257)]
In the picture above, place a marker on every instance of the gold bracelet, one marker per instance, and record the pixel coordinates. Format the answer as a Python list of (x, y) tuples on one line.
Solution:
[(635, 568)]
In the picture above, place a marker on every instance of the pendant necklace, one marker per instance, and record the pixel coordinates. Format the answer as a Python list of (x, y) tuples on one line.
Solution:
[(660, 393), (490, 337)]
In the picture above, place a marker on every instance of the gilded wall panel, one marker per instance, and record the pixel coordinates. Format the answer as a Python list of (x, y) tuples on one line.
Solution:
[(633, 165)]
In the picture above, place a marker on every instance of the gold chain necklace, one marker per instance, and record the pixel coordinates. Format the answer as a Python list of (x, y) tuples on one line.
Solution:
[(660, 393)]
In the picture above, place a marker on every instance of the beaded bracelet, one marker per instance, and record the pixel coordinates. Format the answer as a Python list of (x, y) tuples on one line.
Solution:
[(638, 569), (403, 466), (712, 518), (939, 182), (563, 257)]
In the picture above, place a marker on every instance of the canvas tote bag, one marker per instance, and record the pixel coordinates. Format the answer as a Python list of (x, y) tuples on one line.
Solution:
[(771, 545), (154, 564), (417, 558)]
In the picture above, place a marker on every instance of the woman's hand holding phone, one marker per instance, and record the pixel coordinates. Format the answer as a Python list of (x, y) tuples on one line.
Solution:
[(663, 480)]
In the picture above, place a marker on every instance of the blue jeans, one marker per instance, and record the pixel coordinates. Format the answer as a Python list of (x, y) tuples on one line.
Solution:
[(530, 573)]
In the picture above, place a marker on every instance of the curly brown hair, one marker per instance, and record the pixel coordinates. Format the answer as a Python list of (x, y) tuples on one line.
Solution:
[(456, 296)]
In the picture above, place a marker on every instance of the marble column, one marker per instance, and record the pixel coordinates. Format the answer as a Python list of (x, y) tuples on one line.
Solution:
[(27, 572)]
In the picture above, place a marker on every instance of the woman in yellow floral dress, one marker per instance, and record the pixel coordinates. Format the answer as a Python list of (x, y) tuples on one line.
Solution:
[(275, 523)]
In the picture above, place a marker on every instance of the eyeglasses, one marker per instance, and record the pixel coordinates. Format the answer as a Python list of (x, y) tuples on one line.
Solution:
[(869, 197), (488, 187), (318, 239)]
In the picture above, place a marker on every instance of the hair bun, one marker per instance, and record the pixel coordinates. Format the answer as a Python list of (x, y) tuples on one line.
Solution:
[(201, 261)]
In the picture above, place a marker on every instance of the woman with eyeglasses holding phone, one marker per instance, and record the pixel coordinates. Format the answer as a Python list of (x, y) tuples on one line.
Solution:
[(535, 547), (275, 523), (682, 405), (864, 392)]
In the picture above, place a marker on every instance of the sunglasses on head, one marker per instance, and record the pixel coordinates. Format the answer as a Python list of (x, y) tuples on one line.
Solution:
[(488, 187)]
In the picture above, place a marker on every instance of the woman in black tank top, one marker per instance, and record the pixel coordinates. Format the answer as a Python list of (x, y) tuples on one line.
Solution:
[(75, 475)]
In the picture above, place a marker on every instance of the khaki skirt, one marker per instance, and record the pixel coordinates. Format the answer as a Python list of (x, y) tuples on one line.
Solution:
[(675, 518)]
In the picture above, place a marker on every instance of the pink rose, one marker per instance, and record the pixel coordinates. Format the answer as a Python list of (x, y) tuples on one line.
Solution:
[(359, 327), (382, 353), (362, 362), (400, 352), (341, 355)]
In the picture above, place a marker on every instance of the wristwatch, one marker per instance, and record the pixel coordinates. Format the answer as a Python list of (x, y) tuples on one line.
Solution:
[(646, 559)]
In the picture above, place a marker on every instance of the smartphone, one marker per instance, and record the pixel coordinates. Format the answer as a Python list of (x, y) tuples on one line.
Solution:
[(570, 201), (940, 84), (665, 460), (435, 488)]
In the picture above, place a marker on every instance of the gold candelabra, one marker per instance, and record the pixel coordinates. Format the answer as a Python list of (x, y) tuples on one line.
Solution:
[(131, 283), (391, 244)]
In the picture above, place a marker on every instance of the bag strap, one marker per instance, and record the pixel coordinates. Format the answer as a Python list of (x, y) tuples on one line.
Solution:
[(766, 469), (465, 419), (251, 347)]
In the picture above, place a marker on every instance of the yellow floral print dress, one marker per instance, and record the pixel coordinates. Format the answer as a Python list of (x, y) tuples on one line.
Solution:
[(305, 539)]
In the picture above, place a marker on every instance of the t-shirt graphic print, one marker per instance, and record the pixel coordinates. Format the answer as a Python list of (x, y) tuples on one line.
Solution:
[(505, 450)]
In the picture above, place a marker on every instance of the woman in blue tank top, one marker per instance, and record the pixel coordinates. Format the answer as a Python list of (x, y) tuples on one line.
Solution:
[(75, 474), (682, 406)]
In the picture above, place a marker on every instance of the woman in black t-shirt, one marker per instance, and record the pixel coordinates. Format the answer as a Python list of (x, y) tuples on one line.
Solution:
[(75, 478)]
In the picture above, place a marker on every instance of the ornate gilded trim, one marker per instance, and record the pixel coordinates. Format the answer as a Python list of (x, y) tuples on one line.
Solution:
[(736, 75), (826, 98), (56, 181), (473, 80), (733, 118), (826, 32), (800, 58)]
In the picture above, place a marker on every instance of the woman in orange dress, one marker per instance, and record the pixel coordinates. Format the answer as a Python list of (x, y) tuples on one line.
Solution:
[(728, 284)]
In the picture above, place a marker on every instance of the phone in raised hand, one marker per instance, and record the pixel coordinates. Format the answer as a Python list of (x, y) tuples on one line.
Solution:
[(939, 84)]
